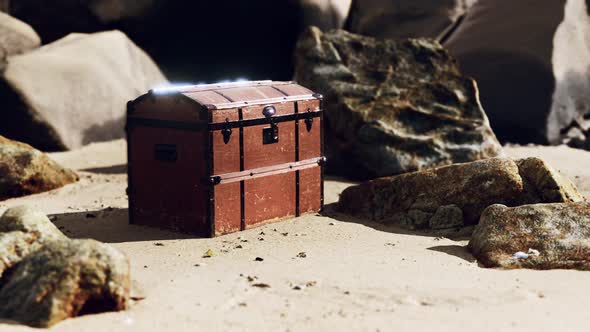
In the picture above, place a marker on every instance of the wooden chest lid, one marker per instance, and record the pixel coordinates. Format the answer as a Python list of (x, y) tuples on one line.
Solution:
[(239, 94)]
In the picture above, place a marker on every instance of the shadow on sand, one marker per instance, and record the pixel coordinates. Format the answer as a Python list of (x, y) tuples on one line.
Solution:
[(462, 234), (111, 226), (117, 169)]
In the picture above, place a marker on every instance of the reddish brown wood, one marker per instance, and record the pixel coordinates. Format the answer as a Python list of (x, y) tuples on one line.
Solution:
[(269, 170), (222, 115), (309, 141), (257, 154), (167, 108), (226, 157), (255, 112), (310, 190), (168, 193), (201, 191), (228, 217), (269, 199)]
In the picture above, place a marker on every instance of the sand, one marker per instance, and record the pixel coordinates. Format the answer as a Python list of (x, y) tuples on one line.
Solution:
[(362, 276)]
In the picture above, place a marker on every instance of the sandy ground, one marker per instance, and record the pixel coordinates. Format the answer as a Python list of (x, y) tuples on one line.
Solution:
[(355, 276)]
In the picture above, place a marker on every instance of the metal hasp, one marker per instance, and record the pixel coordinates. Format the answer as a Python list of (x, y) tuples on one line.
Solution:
[(226, 131)]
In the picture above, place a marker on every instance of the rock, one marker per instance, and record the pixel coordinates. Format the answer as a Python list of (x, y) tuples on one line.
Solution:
[(82, 16), (446, 216), (65, 279), (26, 171), (22, 231), (454, 196), (542, 184), (74, 91), (14, 246), (46, 277), (533, 70), (16, 37), (404, 18), (392, 106), (325, 14), (551, 236), (30, 221), (261, 49)]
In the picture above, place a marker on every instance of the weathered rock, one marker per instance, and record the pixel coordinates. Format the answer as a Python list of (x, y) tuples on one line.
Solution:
[(392, 106), (456, 195), (547, 236), (30, 221), (63, 280), (23, 231), (404, 18), (25, 171), (53, 102), (16, 37), (46, 277), (14, 246), (533, 70)]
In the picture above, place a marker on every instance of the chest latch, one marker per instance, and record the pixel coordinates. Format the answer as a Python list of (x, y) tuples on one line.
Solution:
[(270, 135), (226, 131), (308, 120)]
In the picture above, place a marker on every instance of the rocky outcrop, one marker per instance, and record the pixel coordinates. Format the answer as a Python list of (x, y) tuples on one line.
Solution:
[(539, 236), (533, 70), (25, 171), (16, 37), (74, 91), (392, 106), (404, 18), (455, 196), (46, 277)]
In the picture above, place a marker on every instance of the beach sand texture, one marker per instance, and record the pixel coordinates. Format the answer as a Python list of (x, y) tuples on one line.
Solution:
[(356, 275)]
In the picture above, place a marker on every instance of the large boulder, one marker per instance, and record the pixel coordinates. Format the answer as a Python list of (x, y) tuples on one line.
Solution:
[(74, 91), (404, 18), (392, 106), (455, 196), (533, 69), (25, 170), (16, 37), (539, 236), (46, 277)]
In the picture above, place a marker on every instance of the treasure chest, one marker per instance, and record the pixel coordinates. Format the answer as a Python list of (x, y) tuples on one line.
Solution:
[(220, 158)]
